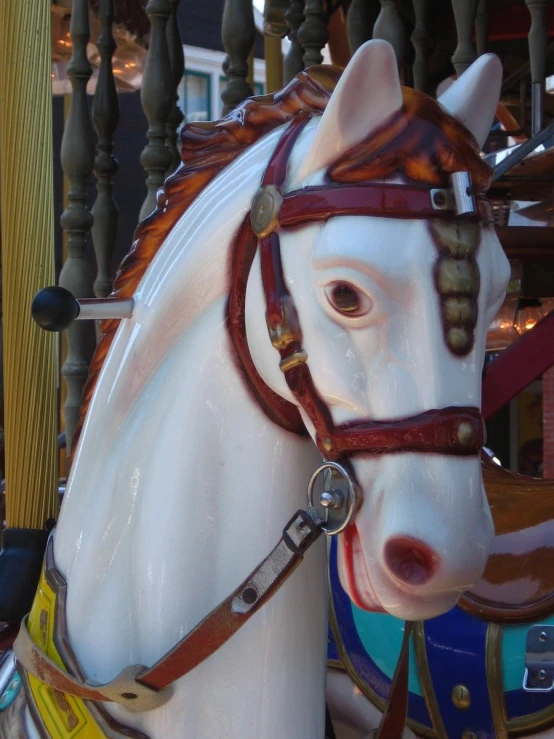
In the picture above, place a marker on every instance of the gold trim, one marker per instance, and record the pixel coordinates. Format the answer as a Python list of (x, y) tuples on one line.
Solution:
[(495, 684), (349, 668), (293, 361), (532, 722), (426, 682)]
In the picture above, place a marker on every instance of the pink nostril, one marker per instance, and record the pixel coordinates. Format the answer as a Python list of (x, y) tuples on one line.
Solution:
[(410, 560)]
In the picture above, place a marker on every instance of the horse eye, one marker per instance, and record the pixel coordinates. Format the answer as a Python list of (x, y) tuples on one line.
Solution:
[(347, 299)]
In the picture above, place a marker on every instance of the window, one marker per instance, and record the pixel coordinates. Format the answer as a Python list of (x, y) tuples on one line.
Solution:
[(197, 97), (259, 88)]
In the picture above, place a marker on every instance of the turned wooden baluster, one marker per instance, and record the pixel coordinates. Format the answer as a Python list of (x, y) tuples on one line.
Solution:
[(421, 42), (538, 40), (238, 33), (464, 15), (294, 58), (389, 26), (105, 116), (157, 95), (313, 33), (360, 20), (482, 27), (177, 62), (77, 157)]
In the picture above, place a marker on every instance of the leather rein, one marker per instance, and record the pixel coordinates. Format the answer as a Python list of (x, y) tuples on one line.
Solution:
[(454, 430)]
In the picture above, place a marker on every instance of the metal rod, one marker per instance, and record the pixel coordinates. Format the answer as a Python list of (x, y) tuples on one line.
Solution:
[(537, 107), (101, 308), (522, 151)]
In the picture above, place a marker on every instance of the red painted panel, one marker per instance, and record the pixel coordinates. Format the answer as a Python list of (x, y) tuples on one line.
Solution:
[(519, 365)]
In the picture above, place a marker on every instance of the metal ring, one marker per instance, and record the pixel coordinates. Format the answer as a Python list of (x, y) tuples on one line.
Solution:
[(351, 498)]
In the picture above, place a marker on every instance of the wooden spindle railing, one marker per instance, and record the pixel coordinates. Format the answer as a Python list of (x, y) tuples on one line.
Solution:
[(464, 15), (482, 27), (294, 58), (538, 41), (177, 62), (238, 33), (157, 96), (77, 157), (421, 41), (313, 34), (105, 116), (389, 26), (360, 21)]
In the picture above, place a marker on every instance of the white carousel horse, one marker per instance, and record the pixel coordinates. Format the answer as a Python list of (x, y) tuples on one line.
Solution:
[(180, 482)]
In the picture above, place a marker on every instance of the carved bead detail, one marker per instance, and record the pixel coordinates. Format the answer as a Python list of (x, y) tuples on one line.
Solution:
[(457, 276), (456, 238), (457, 280)]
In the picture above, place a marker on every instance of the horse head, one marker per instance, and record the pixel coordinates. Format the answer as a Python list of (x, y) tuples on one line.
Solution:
[(390, 304)]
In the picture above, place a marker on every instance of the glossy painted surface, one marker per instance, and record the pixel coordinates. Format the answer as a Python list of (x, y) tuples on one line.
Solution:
[(180, 483), (518, 582), (456, 654)]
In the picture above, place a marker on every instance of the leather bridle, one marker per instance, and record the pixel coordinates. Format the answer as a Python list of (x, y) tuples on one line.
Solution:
[(453, 430)]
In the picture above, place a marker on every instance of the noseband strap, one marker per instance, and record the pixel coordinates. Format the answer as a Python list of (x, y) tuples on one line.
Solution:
[(454, 430)]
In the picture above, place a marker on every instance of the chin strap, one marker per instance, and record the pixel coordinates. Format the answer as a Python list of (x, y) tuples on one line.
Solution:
[(394, 717)]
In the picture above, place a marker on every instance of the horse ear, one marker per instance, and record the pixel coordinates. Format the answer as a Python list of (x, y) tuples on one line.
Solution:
[(367, 93), (473, 97)]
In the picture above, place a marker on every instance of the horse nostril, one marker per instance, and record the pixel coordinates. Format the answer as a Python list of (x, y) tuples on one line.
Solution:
[(410, 560)]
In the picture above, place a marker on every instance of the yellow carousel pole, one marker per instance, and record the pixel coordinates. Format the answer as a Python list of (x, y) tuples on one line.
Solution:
[(30, 364)]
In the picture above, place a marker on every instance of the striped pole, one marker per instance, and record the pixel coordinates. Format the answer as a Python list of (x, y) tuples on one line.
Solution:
[(30, 364)]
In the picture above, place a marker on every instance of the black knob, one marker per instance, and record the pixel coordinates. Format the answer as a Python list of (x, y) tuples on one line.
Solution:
[(54, 308)]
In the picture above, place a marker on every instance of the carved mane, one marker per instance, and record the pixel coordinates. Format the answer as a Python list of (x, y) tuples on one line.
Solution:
[(422, 141)]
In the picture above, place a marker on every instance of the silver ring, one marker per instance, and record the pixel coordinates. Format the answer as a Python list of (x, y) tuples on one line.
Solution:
[(351, 498)]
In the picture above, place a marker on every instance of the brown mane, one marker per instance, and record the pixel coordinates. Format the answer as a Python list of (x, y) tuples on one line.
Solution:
[(206, 149), (421, 140)]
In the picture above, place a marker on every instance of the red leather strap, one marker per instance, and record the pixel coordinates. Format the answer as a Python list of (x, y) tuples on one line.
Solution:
[(453, 430), (394, 718), (371, 199)]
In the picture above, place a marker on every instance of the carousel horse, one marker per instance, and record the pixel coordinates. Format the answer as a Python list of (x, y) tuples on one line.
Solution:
[(321, 265)]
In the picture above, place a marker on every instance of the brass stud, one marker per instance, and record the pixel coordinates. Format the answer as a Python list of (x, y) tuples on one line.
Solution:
[(458, 239), (466, 433), (461, 698), (327, 444), (264, 215)]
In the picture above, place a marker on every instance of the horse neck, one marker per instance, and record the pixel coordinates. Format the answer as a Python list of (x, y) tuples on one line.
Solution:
[(180, 487)]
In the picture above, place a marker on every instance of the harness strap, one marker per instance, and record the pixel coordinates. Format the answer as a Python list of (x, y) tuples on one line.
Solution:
[(142, 689), (394, 718)]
